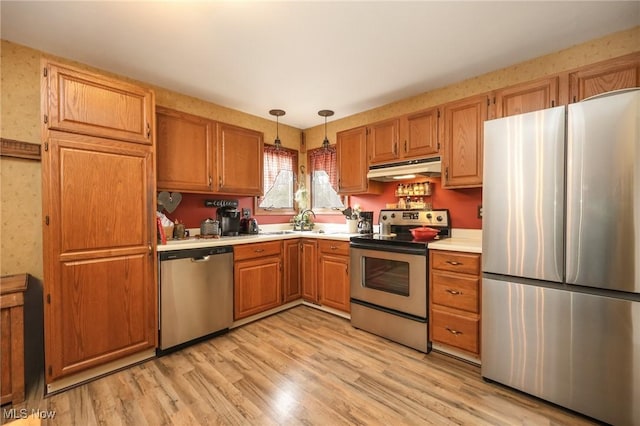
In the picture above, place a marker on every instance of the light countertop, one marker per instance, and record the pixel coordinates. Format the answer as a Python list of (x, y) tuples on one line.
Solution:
[(193, 242), (467, 240)]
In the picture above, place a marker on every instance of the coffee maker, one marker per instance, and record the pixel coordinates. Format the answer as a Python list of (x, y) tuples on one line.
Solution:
[(365, 225), (229, 218)]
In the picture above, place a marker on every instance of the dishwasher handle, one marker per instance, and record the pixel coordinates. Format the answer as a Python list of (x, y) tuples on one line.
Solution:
[(200, 259)]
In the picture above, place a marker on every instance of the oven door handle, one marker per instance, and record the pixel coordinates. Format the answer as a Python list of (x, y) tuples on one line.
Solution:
[(388, 248)]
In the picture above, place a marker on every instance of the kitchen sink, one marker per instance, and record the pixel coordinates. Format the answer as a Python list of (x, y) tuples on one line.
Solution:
[(277, 232)]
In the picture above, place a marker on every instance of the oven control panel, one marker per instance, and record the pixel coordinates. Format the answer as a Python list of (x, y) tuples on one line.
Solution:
[(436, 218)]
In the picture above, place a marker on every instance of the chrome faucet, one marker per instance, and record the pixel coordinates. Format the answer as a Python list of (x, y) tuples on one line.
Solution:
[(302, 216)]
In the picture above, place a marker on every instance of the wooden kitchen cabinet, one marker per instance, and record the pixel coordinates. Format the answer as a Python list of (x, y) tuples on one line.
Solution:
[(353, 163), (99, 224), (383, 141), (12, 383), (100, 269), (527, 97), (410, 136), (333, 274), (613, 74), (79, 101), (239, 160), (462, 137), (257, 278), (292, 280), (455, 291), (308, 269), (186, 151)]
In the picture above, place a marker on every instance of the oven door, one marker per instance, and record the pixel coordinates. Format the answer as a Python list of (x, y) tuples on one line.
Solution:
[(391, 280)]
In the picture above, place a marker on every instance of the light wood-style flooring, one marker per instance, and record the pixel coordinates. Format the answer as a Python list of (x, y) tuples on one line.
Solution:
[(299, 367)]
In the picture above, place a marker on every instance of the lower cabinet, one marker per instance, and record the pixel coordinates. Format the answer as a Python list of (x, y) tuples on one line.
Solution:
[(257, 278), (308, 269), (455, 290), (333, 274), (292, 279)]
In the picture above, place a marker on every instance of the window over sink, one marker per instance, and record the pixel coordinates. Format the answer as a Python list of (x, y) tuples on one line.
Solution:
[(323, 170), (280, 177)]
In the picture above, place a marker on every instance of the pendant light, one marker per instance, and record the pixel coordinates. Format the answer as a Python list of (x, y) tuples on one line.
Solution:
[(325, 113), (278, 113)]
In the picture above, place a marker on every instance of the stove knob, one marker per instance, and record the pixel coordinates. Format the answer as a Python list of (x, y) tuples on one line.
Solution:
[(429, 216), (439, 218), (384, 217), (393, 215)]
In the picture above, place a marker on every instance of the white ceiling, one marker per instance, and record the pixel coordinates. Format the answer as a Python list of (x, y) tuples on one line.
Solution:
[(302, 57)]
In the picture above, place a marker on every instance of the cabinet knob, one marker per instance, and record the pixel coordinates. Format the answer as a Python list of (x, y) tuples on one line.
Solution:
[(454, 332)]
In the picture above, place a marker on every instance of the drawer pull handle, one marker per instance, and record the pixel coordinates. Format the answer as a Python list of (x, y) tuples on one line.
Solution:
[(454, 332), (453, 292), (334, 248), (258, 250), (453, 262)]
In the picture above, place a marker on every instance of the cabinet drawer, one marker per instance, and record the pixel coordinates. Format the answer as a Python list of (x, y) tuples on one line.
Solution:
[(334, 247), (455, 330), (466, 263), (251, 251), (455, 290)]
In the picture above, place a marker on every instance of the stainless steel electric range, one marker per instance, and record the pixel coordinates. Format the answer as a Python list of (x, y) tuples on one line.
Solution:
[(389, 277)]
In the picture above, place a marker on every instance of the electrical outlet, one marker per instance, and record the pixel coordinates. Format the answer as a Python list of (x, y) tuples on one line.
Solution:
[(480, 211), (246, 212)]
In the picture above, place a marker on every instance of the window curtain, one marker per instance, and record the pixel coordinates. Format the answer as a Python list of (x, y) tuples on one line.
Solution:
[(274, 161), (321, 159)]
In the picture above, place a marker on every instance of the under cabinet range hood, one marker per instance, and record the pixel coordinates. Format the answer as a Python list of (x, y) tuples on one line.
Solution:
[(405, 170)]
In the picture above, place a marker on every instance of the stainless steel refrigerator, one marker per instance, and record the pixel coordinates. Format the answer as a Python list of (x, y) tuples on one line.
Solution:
[(561, 255)]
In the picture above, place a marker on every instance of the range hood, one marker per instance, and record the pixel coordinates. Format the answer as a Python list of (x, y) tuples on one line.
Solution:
[(393, 172)]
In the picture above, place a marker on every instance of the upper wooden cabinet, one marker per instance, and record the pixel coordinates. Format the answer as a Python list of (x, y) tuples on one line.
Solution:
[(351, 148), (239, 160), (91, 104), (410, 136), (614, 74), (196, 154), (186, 150), (526, 97), (383, 141), (462, 137), (420, 132)]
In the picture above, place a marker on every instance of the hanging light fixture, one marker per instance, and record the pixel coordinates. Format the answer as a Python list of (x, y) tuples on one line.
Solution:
[(325, 113), (278, 113)]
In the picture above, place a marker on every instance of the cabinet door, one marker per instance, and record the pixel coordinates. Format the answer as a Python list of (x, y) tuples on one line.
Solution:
[(308, 274), (333, 282), (383, 141), (99, 265), (257, 286), (421, 134), (239, 160), (527, 97), (615, 74), (462, 133), (292, 268), (352, 161), (185, 150), (90, 104)]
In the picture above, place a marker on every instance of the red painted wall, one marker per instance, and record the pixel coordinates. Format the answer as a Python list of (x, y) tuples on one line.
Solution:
[(462, 204)]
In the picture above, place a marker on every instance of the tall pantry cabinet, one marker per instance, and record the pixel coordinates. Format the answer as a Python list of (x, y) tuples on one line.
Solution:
[(99, 224)]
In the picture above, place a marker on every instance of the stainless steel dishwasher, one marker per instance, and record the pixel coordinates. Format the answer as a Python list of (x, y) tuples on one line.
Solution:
[(196, 295)]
